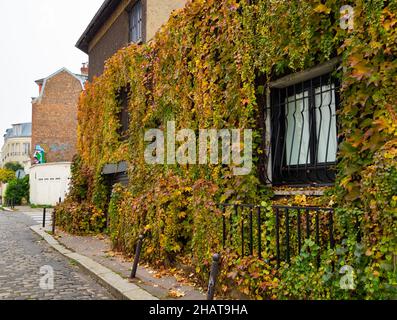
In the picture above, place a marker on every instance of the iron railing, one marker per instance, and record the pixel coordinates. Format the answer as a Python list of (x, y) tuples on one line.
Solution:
[(279, 234), (10, 203)]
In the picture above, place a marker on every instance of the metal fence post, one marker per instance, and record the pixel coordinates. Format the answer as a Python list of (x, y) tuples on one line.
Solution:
[(137, 255), (53, 222), (213, 276), (44, 216)]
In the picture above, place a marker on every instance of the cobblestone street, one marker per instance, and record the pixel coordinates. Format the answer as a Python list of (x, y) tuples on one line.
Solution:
[(23, 254)]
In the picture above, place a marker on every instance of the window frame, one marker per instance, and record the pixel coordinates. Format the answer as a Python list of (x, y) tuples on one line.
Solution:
[(312, 173)]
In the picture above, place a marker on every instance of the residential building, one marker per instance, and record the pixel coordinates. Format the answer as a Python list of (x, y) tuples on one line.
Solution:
[(117, 24), (17, 145), (120, 22), (54, 134), (16, 148)]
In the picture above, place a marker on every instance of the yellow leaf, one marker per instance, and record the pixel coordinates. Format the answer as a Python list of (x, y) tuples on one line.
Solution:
[(176, 294), (182, 215), (321, 8)]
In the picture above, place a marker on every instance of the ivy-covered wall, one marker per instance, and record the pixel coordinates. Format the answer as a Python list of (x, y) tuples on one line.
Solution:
[(203, 70)]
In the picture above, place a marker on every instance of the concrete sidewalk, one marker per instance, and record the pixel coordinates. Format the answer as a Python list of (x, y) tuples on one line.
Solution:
[(161, 285), (24, 209), (98, 250), (118, 286)]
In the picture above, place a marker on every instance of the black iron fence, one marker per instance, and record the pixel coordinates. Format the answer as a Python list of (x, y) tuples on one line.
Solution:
[(278, 234), (10, 203)]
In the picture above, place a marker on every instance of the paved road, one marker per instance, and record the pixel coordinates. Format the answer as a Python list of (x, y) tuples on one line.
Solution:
[(23, 254), (37, 217)]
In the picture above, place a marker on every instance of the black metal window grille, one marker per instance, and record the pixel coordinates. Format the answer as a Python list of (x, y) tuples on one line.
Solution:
[(304, 132), (124, 116), (136, 20)]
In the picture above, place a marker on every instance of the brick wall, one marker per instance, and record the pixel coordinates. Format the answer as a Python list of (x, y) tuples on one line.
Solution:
[(54, 117)]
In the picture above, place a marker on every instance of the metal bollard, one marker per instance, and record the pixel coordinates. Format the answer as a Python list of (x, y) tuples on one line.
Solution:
[(216, 259), (53, 222), (137, 255), (44, 216)]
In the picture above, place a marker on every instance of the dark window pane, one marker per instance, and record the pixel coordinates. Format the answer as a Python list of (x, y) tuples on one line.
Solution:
[(124, 117)]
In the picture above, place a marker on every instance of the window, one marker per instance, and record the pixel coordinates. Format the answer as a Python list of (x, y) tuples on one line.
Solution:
[(136, 23), (304, 132), (26, 148), (18, 130), (124, 116)]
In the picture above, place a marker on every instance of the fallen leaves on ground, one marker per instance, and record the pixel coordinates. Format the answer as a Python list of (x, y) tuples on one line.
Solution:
[(176, 293)]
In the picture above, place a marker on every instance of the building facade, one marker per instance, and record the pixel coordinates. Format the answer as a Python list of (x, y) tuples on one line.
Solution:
[(117, 24), (120, 22), (17, 145), (54, 115), (54, 135)]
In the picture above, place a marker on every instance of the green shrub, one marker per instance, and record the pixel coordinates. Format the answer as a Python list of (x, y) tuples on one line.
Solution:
[(79, 219), (13, 166), (18, 190)]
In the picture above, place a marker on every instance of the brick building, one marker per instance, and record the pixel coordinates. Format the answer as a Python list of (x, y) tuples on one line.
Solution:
[(54, 135), (54, 115)]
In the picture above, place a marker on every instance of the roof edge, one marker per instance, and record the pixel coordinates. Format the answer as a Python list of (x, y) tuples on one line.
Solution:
[(102, 14), (77, 77)]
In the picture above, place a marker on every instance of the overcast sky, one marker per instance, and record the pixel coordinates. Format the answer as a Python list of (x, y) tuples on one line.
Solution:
[(38, 37)]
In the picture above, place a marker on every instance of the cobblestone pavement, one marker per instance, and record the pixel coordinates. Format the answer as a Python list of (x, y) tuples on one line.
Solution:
[(23, 254)]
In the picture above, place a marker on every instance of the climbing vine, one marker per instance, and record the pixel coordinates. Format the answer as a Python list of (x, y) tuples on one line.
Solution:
[(201, 70)]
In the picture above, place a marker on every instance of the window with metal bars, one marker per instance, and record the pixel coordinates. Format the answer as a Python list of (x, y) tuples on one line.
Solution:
[(136, 20), (304, 132)]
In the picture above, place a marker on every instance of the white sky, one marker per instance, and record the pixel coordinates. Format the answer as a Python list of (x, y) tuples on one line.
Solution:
[(37, 37)]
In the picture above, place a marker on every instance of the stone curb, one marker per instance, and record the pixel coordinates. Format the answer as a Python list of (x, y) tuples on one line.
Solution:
[(121, 288)]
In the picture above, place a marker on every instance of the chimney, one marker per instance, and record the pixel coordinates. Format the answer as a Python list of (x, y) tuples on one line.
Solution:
[(40, 84), (84, 69)]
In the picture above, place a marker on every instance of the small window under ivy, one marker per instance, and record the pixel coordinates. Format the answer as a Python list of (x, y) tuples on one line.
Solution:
[(123, 99)]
